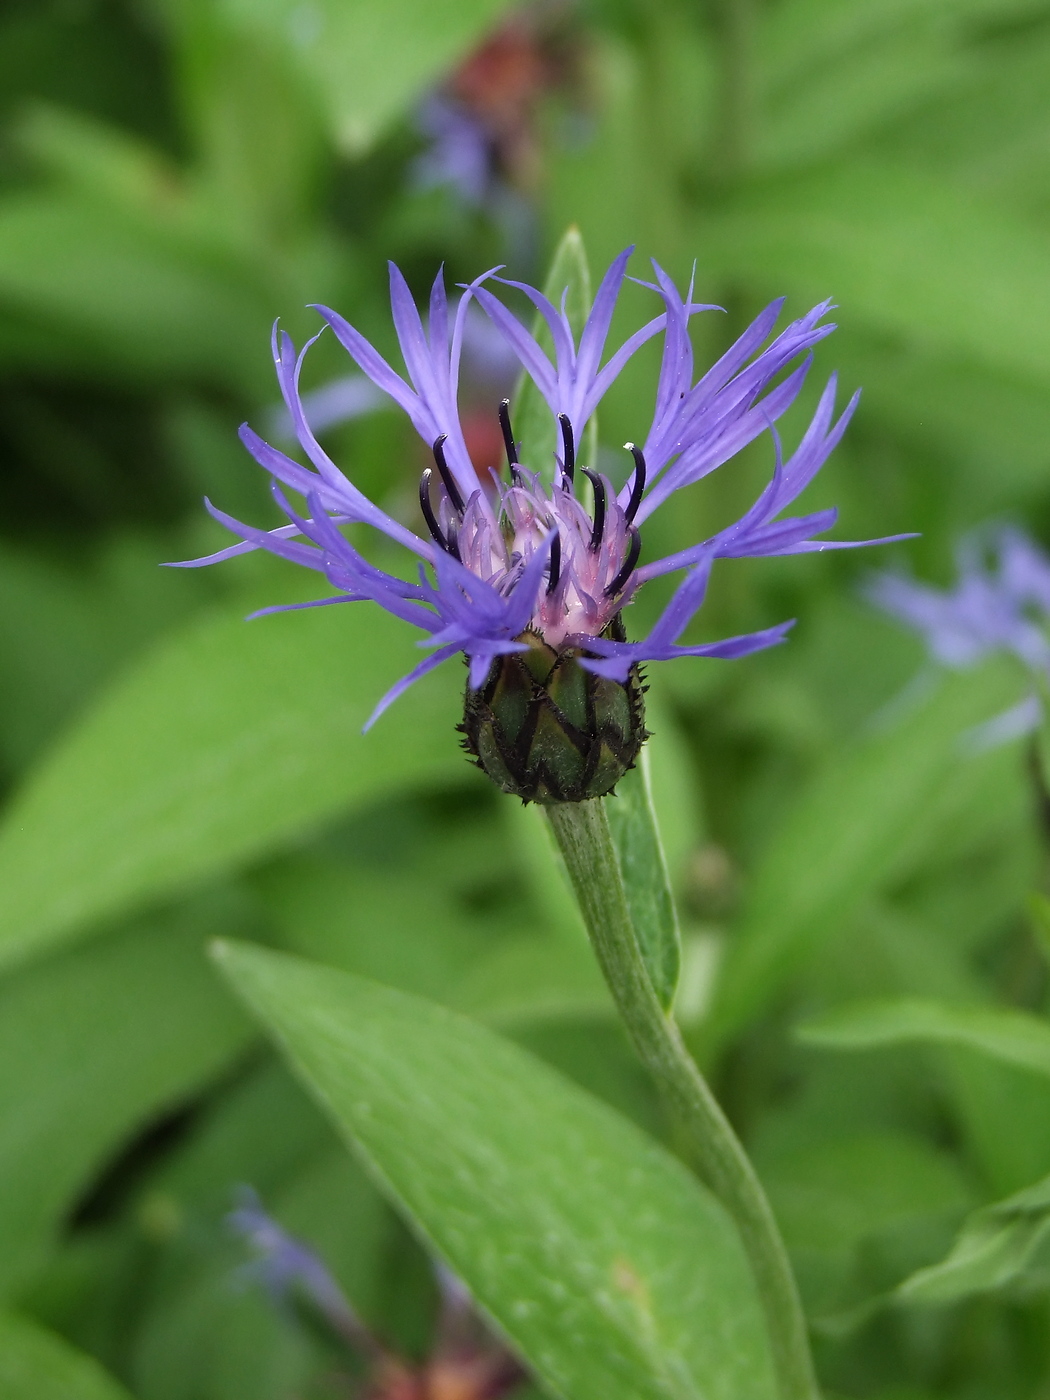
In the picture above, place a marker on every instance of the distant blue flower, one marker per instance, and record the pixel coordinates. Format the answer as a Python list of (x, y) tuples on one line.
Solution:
[(286, 1268), (459, 151), (505, 562), (463, 1360), (999, 604)]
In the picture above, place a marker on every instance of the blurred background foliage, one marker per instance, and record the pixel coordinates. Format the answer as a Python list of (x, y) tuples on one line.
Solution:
[(174, 174)]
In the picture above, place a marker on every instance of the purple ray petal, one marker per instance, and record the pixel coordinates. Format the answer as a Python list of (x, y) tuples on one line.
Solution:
[(338, 492), (370, 361), (616, 667), (821, 546), (526, 347), (557, 322), (262, 539), (283, 532), (301, 607), (396, 691), (605, 377), (596, 328)]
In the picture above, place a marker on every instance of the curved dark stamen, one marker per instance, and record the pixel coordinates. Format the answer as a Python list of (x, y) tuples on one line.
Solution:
[(508, 435), (431, 518), (446, 475), (628, 564), (453, 544), (428, 509), (638, 485), (569, 448), (555, 574), (599, 507)]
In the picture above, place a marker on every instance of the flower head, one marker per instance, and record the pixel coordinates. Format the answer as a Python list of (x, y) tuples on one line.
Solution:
[(518, 573)]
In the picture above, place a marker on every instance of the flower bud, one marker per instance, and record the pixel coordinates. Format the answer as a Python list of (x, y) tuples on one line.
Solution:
[(547, 730)]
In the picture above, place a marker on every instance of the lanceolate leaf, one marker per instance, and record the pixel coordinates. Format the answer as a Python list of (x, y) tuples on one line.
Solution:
[(149, 303), (907, 252), (1004, 1244), (35, 1364), (367, 61), (636, 836), (593, 1250), (1014, 1037), (223, 742)]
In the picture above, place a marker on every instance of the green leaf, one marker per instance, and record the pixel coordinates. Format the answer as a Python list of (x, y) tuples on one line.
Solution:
[(859, 1212), (909, 253), (93, 1045), (35, 1364), (1004, 1244), (1014, 1037), (592, 1248), (368, 61), (1039, 913), (534, 425), (865, 813), (831, 1194), (672, 778), (989, 424), (227, 740), (137, 296), (833, 71), (640, 854), (526, 980), (65, 628)]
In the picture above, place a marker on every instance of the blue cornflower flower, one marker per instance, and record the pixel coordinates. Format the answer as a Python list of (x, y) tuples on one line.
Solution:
[(521, 570), (463, 1360), (286, 1268), (999, 604), (459, 152)]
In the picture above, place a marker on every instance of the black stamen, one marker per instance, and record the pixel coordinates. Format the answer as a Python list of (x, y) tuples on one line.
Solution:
[(638, 485), (428, 509), (446, 475), (628, 564), (569, 464), (431, 518), (453, 543), (508, 436), (555, 573), (599, 507)]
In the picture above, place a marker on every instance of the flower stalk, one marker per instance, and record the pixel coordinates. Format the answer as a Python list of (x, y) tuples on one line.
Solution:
[(707, 1139)]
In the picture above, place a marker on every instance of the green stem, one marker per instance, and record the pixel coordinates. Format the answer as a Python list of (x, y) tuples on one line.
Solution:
[(582, 832)]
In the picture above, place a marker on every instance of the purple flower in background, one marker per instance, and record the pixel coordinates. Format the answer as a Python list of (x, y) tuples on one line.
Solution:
[(287, 1268), (459, 150), (521, 576), (464, 1361), (999, 604)]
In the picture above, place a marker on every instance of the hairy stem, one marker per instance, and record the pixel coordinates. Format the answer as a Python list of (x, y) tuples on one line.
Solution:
[(708, 1141)]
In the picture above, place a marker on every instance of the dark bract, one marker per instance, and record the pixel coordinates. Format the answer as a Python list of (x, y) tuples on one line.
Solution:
[(547, 730)]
